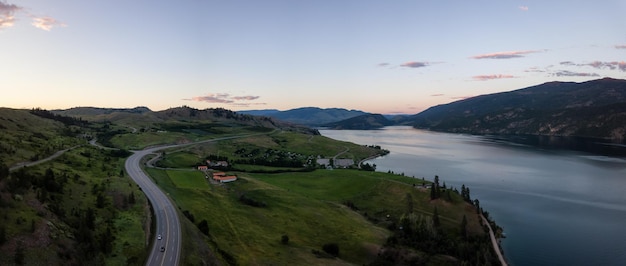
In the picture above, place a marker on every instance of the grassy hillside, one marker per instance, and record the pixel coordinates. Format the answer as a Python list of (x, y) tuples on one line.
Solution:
[(78, 209), (27, 137), (356, 210), (362, 212), (81, 209)]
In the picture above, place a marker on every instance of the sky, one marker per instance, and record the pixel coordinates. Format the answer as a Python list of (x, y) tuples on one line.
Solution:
[(390, 57)]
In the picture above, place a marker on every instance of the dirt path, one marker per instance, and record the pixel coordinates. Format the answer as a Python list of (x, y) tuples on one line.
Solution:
[(51, 157), (344, 151), (494, 242)]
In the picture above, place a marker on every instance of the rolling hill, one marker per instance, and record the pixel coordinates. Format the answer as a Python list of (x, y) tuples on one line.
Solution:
[(309, 116), (595, 108), (142, 116), (362, 122)]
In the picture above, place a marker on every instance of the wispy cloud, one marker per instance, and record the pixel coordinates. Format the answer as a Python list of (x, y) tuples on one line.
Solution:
[(461, 97), (437, 95), (504, 55), (225, 98), (414, 64), (494, 76), (245, 98), (383, 64), (7, 14), (566, 73), (534, 70), (613, 65), (623, 46), (46, 23), (523, 8)]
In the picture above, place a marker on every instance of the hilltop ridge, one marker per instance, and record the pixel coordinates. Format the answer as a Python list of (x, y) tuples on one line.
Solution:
[(595, 108)]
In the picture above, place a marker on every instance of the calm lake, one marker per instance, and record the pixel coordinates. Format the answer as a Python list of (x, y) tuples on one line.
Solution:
[(561, 201)]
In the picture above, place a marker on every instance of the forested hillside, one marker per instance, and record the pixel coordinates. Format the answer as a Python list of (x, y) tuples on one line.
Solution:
[(594, 108)]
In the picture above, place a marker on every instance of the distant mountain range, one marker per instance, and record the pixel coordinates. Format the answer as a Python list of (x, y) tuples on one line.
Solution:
[(145, 117), (309, 116), (363, 122), (594, 108)]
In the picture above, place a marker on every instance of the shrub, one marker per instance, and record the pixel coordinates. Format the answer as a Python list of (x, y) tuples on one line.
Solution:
[(331, 248)]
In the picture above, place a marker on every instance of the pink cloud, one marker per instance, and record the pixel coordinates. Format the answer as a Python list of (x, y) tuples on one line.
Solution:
[(414, 64), (523, 8), (504, 55), (46, 23), (437, 95), (623, 46), (211, 98), (245, 98), (7, 14), (224, 98), (490, 77), (461, 97)]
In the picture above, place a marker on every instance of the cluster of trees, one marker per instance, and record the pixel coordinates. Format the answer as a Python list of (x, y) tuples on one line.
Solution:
[(414, 231), (418, 232), (271, 157), (378, 147), (66, 120), (368, 167), (89, 220)]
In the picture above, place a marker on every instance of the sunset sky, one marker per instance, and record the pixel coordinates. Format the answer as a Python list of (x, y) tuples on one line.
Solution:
[(399, 56)]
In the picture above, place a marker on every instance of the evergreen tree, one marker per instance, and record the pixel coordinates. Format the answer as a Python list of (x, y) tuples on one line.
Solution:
[(19, 253), (3, 234), (436, 222), (437, 187), (204, 227), (131, 198), (477, 205), (433, 193), (4, 170)]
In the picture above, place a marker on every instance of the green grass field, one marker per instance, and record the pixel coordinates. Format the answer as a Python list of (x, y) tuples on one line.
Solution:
[(252, 235), (307, 207), (187, 179)]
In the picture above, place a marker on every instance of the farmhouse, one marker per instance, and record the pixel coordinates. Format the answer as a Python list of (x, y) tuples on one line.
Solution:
[(223, 178), (203, 167), (337, 163), (343, 163), (217, 163)]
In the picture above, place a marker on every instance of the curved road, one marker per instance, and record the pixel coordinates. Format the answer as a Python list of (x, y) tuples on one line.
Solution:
[(167, 222), (494, 242)]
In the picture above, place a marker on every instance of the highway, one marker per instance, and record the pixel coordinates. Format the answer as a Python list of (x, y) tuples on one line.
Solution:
[(167, 221)]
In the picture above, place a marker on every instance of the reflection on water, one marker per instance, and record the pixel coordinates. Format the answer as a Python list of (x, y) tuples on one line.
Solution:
[(561, 201)]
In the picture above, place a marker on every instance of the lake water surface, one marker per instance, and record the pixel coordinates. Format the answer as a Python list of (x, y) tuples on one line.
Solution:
[(561, 201)]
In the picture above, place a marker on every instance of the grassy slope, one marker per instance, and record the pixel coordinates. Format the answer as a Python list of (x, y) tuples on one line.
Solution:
[(86, 167), (308, 208), (287, 141), (24, 136), (252, 235)]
